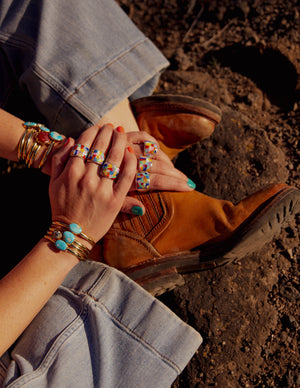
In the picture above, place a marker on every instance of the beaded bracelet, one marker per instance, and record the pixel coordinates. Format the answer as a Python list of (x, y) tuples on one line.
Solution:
[(36, 136), (63, 237)]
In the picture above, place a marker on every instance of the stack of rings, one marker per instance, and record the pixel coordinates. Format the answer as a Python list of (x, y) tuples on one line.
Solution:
[(35, 138), (145, 165), (108, 169)]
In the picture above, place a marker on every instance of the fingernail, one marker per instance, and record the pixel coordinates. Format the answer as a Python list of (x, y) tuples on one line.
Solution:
[(67, 141), (120, 129), (191, 184), (137, 210), (130, 149), (110, 124)]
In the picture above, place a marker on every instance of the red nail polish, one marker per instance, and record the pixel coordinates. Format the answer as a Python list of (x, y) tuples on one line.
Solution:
[(67, 141), (130, 149), (120, 129)]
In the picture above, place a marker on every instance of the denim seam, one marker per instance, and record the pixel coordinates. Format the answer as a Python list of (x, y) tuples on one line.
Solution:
[(12, 41), (165, 359), (48, 358), (54, 84)]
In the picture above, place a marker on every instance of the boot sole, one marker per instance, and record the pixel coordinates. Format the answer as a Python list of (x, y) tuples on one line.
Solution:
[(162, 274), (177, 103)]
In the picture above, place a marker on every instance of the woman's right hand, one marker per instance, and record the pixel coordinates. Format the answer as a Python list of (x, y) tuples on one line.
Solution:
[(79, 194)]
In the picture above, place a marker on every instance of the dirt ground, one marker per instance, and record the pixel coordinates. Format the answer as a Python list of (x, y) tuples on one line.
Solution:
[(244, 56)]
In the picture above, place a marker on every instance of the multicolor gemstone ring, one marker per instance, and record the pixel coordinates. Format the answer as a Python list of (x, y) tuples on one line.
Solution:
[(150, 149), (142, 181), (144, 163), (80, 151), (96, 156), (109, 170)]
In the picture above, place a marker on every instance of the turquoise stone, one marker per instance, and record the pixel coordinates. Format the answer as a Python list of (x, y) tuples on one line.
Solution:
[(55, 136), (69, 237), (30, 124), (61, 245), (45, 129), (75, 228)]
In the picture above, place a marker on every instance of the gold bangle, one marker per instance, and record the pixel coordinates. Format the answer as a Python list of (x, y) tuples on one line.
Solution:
[(21, 144), (36, 136), (77, 245), (46, 154), (32, 154), (82, 235), (73, 251)]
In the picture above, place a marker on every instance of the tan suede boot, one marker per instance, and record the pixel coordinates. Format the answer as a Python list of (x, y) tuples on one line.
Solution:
[(176, 121), (187, 232)]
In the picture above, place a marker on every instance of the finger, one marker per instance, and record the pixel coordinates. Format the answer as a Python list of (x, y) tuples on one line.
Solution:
[(161, 156), (168, 183), (133, 206), (81, 148), (127, 174), (140, 137), (99, 148), (61, 157), (113, 161), (159, 167)]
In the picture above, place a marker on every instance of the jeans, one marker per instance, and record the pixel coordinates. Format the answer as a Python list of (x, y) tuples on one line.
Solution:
[(66, 63), (100, 329)]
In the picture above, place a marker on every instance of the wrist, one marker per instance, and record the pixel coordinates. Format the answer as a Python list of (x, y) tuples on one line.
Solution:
[(70, 238), (36, 144)]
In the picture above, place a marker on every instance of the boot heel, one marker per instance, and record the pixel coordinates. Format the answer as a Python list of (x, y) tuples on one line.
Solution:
[(160, 282)]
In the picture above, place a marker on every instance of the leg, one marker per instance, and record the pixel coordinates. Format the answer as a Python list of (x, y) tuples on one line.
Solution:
[(107, 330)]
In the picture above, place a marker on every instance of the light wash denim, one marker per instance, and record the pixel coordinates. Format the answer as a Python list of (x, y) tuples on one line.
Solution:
[(68, 62), (100, 329)]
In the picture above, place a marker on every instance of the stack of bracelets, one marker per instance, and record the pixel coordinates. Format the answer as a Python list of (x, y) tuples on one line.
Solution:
[(63, 236), (35, 137)]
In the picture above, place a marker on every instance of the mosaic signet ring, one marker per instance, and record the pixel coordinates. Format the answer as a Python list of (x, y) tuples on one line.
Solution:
[(80, 151), (109, 170), (142, 181), (150, 148), (144, 163), (96, 156)]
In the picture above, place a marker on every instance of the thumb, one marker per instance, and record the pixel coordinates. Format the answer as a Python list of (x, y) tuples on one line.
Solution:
[(133, 206)]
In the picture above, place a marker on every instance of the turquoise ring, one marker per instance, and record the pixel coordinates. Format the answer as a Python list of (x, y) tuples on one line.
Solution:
[(80, 151), (96, 156), (145, 164), (109, 170), (142, 181)]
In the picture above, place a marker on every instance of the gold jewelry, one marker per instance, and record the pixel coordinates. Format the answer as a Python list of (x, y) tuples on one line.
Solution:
[(71, 248), (33, 139), (78, 231), (63, 236)]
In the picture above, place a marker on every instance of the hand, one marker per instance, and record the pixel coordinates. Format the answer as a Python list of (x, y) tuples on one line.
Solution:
[(163, 175), (78, 193)]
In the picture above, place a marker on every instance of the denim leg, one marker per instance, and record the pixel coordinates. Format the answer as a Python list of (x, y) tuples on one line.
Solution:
[(100, 329), (73, 60)]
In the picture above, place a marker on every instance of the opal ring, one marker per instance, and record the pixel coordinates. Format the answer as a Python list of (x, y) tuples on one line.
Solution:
[(142, 181), (80, 151), (144, 163), (150, 149), (109, 170), (96, 156)]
